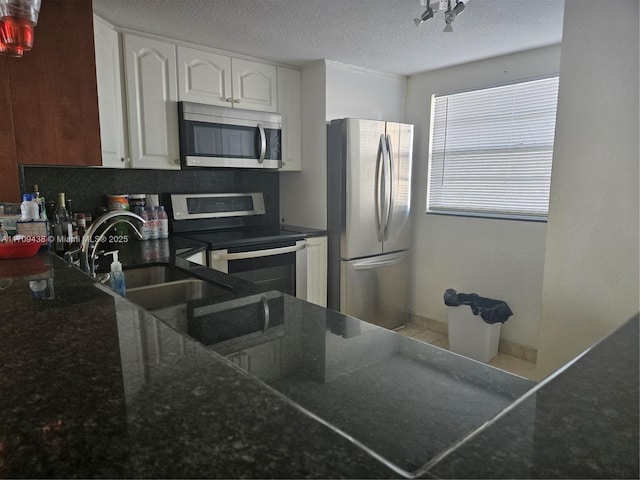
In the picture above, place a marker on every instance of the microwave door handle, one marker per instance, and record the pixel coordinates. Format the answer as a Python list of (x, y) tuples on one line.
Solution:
[(259, 253), (263, 143)]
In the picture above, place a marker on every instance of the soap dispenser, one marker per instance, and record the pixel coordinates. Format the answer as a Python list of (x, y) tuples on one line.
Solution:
[(117, 276)]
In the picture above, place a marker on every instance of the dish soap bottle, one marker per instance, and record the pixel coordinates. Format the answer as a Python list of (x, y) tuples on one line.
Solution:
[(117, 276)]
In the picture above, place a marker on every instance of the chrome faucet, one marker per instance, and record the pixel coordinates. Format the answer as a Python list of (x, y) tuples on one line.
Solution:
[(111, 219)]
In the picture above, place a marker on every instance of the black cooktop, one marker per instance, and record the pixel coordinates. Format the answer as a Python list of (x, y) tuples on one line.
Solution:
[(245, 236)]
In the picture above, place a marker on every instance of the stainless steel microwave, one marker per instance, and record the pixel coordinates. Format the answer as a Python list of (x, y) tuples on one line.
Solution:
[(212, 136)]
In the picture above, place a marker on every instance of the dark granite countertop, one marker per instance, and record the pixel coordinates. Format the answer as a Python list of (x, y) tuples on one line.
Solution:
[(91, 385), (581, 422), (310, 232)]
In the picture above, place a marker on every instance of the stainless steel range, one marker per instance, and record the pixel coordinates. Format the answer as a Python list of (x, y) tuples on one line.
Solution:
[(241, 242)]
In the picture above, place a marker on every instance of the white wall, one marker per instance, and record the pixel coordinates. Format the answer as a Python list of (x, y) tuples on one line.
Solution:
[(591, 268), (303, 195), (359, 93), (332, 90), (495, 258)]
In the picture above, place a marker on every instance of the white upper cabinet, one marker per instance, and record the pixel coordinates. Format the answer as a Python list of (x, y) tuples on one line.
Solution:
[(289, 104), (204, 77), (214, 79), (110, 101), (152, 95), (254, 85)]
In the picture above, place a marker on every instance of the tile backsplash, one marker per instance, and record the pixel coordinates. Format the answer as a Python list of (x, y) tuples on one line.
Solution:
[(87, 187)]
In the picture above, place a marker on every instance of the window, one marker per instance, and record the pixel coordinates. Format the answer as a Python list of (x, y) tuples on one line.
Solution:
[(491, 151)]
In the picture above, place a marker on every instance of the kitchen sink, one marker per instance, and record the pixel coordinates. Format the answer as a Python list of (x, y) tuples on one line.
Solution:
[(163, 295), (153, 275)]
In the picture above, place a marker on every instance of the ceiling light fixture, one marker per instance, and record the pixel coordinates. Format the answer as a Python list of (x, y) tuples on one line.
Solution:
[(451, 14), (450, 11), (17, 19), (426, 15)]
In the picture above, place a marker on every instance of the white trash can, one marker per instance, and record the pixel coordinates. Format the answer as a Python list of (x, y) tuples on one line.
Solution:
[(470, 335)]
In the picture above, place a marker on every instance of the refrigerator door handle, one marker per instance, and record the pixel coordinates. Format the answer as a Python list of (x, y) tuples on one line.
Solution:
[(390, 189), (370, 264), (384, 187), (380, 159)]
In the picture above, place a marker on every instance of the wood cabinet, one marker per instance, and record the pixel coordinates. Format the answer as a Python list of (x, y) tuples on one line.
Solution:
[(50, 96), (9, 183), (215, 79), (152, 95), (110, 99), (289, 104), (317, 270)]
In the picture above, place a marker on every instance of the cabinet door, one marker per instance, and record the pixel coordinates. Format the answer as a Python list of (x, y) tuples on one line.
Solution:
[(204, 77), (9, 177), (289, 85), (112, 131), (152, 94), (317, 270), (254, 85), (53, 90)]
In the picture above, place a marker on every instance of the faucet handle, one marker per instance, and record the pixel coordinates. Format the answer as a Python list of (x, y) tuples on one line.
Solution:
[(104, 279), (72, 257)]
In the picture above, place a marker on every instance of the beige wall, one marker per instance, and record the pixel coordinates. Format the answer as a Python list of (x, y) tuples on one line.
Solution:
[(495, 258), (590, 283)]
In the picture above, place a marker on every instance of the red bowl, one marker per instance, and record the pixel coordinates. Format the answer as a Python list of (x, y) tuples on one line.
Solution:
[(19, 249)]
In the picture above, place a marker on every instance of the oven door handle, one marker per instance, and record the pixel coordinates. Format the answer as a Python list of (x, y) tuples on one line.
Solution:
[(259, 253)]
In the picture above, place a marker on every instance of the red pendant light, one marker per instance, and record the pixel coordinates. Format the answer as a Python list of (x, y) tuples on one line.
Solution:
[(17, 20)]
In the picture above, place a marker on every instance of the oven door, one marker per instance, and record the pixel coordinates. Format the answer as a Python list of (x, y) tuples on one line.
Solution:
[(222, 137), (281, 266)]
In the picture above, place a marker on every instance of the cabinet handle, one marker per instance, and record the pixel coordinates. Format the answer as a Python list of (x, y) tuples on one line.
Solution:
[(177, 161), (236, 101), (122, 159), (229, 99)]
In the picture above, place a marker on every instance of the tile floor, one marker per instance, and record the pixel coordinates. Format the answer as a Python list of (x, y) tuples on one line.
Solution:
[(503, 361)]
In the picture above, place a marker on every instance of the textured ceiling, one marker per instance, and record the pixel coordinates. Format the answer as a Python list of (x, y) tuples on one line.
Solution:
[(374, 34)]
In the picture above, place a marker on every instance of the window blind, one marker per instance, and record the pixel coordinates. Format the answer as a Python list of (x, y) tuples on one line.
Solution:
[(491, 151)]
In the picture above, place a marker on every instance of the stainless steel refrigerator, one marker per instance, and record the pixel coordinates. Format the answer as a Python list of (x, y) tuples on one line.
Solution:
[(368, 205)]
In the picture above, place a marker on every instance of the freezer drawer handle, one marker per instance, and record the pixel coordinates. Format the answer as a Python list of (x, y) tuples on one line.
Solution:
[(367, 265), (260, 253)]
